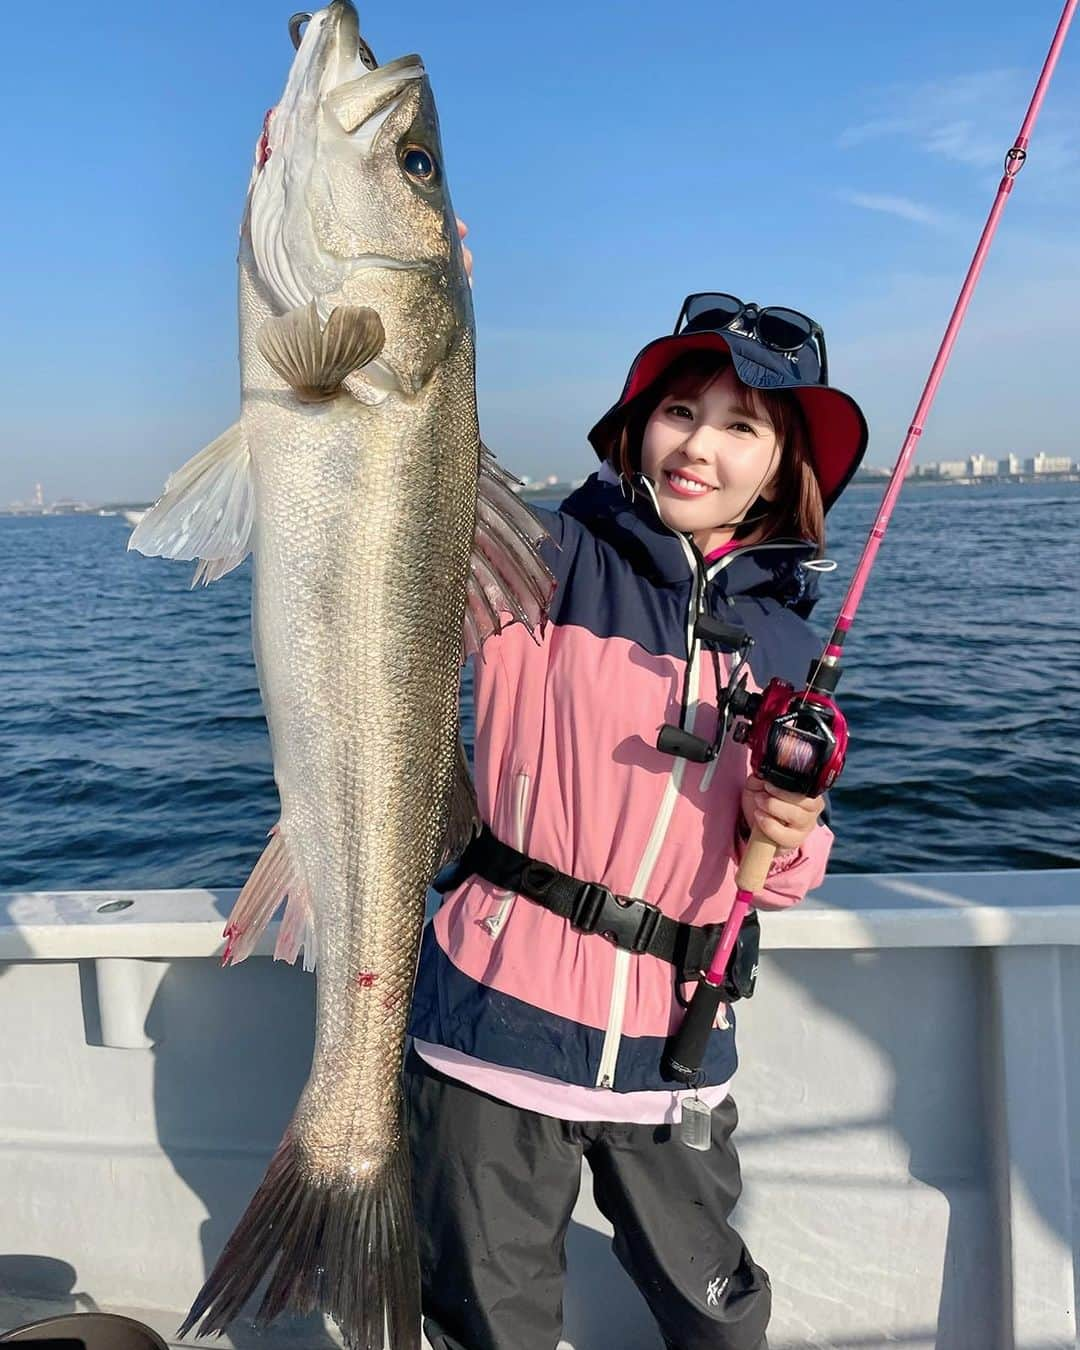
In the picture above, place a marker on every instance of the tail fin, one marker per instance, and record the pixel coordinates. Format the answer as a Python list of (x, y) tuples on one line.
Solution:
[(346, 1248)]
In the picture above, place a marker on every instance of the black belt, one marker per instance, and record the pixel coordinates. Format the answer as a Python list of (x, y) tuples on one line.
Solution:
[(634, 925)]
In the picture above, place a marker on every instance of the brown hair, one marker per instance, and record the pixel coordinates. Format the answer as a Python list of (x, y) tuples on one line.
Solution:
[(797, 507)]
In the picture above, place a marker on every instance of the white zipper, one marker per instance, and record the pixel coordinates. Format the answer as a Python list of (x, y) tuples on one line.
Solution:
[(605, 1074), (495, 920)]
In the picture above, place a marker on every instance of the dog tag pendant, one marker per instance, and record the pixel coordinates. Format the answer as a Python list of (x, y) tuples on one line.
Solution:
[(696, 1128)]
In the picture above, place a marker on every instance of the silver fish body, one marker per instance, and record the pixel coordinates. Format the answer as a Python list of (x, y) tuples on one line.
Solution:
[(358, 601), (353, 477)]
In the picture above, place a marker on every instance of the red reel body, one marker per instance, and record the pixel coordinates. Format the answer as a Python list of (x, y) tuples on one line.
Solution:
[(796, 740)]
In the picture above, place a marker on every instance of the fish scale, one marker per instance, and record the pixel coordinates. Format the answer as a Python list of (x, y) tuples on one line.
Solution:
[(356, 733)]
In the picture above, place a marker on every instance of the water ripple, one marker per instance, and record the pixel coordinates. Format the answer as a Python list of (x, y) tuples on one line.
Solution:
[(133, 749)]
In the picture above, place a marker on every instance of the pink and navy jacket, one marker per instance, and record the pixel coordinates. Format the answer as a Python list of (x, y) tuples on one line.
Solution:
[(567, 770)]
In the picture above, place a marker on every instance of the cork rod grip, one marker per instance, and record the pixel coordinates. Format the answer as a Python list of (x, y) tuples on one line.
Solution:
[(755, 864)]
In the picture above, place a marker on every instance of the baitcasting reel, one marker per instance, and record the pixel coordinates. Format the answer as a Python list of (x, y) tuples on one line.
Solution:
[(797, 740)]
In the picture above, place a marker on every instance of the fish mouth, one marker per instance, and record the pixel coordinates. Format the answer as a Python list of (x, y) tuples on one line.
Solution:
[(345, 21), (334, 52), (331, 44)]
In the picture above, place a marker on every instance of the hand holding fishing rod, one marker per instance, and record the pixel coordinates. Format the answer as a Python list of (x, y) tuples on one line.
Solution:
[(799, 741)]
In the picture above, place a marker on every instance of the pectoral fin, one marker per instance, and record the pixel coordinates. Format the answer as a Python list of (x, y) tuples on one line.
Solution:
[(509, 581), (314, 360), (207, 510)]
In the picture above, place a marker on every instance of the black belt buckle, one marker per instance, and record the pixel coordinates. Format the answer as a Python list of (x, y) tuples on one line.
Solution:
[(628, 923)]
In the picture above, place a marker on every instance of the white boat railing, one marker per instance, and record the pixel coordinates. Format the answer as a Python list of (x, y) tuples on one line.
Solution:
[(909, 1097)]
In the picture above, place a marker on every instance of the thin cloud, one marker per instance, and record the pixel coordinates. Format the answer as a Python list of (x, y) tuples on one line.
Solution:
[(902, 207), (967, 119)]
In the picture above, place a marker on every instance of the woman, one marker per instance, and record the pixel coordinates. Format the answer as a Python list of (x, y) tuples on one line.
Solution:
[(543, 1003)]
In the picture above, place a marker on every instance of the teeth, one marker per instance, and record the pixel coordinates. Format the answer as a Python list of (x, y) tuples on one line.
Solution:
[(687, 484)]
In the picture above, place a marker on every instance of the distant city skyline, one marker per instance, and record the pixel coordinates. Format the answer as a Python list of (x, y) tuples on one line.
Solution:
[(602, 179), (973, 465)]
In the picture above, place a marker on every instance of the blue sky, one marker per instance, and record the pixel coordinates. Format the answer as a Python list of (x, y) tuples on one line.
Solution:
[(839, 158)]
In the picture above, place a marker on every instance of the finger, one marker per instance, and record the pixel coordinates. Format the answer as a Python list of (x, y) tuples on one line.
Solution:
[(790, 817), (462, 228), (783, 795), (776, 833), (466, 253)]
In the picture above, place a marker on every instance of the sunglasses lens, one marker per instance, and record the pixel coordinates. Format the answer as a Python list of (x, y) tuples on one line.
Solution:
[(784, 329), (710, 311), (808, 364)]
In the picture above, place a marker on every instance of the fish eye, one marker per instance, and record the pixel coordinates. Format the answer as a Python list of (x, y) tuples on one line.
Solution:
[(419, 164)]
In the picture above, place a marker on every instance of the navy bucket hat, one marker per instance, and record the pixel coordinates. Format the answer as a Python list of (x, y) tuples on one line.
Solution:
[(836, 428)]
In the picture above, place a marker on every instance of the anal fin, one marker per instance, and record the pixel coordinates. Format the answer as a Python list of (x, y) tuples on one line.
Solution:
[(314, 360), (273, 878)]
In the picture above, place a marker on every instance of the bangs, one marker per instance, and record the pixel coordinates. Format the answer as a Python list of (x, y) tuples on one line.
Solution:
[(691, 375)]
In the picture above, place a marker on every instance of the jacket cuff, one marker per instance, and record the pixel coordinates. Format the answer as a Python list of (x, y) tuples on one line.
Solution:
[(793, 872)]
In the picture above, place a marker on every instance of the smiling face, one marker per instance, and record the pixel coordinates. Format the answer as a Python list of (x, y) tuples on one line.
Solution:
[(711, 450)]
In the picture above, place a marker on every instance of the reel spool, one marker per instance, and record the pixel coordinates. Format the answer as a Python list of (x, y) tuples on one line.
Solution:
[(796, 740)]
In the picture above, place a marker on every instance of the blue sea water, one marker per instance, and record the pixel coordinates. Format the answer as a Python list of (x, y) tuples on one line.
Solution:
[(133, 750)]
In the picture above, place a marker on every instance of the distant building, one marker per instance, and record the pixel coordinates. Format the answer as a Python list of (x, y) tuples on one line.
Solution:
[(982, 466), (952, 468), (1009, 465), (1051, 464)]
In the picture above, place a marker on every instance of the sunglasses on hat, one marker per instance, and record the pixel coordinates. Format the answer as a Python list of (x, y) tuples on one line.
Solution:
[(779, 329)]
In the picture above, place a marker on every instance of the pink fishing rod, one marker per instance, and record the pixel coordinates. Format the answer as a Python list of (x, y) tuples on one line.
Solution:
[(799, 740)]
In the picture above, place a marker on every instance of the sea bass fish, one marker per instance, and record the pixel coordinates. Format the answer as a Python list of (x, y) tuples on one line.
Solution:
[(386, 544)]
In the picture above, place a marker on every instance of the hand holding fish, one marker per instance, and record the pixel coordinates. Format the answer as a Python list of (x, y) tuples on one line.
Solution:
[(466, 253)]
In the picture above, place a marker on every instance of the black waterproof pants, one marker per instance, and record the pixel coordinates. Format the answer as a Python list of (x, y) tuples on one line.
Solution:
[(494, 1188)]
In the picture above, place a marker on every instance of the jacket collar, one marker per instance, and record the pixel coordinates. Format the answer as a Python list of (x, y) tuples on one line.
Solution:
[(627, 519)]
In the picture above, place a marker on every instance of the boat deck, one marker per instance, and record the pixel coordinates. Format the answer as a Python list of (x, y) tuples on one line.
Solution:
[(908, 1097)]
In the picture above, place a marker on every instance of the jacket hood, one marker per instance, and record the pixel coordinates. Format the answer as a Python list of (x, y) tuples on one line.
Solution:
[(629, 522)]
